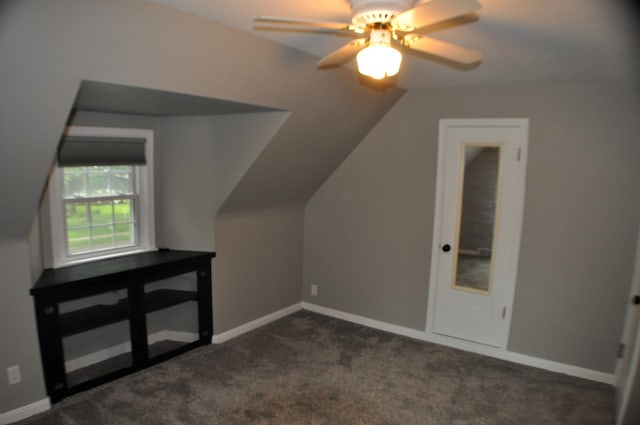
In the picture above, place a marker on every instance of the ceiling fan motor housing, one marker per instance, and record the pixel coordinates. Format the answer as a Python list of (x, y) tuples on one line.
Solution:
[(366, 12)]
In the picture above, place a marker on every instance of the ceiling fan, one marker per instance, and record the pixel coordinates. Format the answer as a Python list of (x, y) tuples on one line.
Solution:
[(385, 29)]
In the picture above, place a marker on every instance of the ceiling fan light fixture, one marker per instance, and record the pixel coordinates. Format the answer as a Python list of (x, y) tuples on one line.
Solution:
[(379, 59)]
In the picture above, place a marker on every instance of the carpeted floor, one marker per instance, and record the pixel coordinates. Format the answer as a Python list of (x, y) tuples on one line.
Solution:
[(310, 369)]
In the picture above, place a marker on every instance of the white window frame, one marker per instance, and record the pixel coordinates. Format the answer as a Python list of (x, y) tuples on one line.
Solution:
[(145, 218)]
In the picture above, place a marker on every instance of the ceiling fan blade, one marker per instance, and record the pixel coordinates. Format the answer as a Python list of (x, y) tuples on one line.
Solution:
[(306, 29), (435, 11), (343, 54), (441, 49), (305, 22)]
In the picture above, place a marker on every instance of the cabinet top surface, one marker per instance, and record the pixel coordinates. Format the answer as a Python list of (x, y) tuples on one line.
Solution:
[(55, 278)]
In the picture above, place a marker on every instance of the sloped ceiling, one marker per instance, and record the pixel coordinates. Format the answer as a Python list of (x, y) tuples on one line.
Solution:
[(97, 96), (49, 48), (522, 40)]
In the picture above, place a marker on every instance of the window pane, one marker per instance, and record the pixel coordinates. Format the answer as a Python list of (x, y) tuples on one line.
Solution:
[(101, 212), (125, 234), (98, 181), (76, 214), (122, 180), (102, 237), (78, 240), (98, 184), (122, 210), (74, 182), (77, 227)]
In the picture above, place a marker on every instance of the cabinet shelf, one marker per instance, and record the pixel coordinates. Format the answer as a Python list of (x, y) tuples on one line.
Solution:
[(165, 298), (86, 319)]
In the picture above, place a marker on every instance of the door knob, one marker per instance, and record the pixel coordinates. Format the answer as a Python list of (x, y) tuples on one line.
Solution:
[(636, 299), (446, 247)]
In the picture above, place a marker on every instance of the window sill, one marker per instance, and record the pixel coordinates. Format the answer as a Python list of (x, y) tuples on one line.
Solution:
[(104, 256)]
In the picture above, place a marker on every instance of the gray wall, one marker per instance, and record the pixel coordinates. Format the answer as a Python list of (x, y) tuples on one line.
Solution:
[(368, 229), (200, 161), (259, 270), (18, 347)]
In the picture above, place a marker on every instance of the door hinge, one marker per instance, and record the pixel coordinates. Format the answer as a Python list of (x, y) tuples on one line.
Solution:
[(621, 349), (519, 154), (504, 312)]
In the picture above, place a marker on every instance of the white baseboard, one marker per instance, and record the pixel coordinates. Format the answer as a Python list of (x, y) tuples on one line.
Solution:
[(370, 323), (523, 359), (25, 411), (232, 333), (579, 372)]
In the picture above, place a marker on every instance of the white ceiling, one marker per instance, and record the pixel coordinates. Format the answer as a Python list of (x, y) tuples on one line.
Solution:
[(521, 40)]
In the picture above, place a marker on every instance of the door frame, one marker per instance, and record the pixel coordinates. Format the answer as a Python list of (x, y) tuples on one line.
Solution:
[(522, 124), (625, 384)]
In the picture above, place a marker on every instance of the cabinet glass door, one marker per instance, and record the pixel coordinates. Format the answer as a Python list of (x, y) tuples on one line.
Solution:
[(171, 307), (96, 336)]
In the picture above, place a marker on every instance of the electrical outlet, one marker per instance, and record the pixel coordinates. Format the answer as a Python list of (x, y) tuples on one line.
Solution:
[(13, 374), (314, 290)]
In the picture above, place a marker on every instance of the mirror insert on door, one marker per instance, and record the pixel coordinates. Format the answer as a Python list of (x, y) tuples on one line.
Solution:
[(473, 265)]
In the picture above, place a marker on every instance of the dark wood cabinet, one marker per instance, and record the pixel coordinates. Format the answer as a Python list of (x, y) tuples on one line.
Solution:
[(102, 320)]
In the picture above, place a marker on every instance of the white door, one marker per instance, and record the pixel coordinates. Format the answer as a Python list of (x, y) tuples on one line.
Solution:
[(480, 197), (628, 367)]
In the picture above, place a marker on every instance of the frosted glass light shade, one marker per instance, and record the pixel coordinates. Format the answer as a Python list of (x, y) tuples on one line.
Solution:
[(378, 61)]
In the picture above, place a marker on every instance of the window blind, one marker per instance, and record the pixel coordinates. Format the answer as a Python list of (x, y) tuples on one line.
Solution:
[(78, 151)]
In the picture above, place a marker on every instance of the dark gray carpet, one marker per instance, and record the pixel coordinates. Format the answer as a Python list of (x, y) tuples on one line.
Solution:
[(310, 369)]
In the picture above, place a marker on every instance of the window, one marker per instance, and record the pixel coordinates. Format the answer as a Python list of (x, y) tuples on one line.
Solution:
[(100, 194), (100, 207)]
